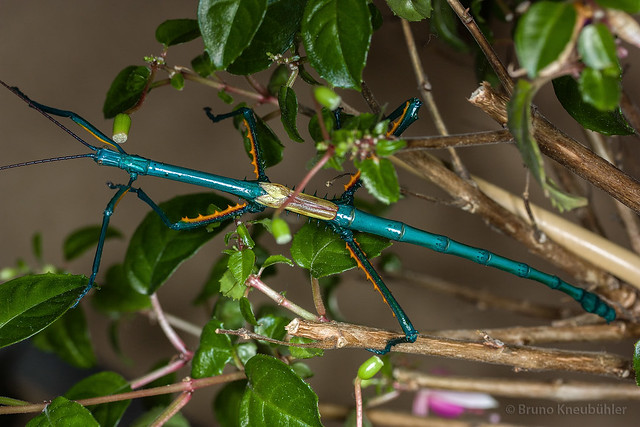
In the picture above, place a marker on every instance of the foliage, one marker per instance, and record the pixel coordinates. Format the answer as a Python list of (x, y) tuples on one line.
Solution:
[(321, 43)]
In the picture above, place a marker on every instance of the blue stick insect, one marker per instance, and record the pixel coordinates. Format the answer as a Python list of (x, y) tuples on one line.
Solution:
[(339, 214)]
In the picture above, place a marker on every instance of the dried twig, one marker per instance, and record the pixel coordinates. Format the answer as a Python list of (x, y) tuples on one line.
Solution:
[(476, 202), (564, 150), (480, 297), (334, 335), (528, 335), (456, 141), (559, 391)]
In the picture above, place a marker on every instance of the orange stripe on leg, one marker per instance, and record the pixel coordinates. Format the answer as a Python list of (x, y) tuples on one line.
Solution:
[(354, 178), (366, 272), (253, 152), (216, 214)]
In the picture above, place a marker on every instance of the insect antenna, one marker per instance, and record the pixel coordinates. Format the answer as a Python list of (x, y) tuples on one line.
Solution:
[(52, 159), (34, 105)]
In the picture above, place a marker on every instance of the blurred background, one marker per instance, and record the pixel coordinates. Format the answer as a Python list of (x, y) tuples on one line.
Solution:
[(66, 54)]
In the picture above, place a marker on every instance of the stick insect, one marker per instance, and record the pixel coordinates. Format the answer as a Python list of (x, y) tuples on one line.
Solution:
[(338, 214)]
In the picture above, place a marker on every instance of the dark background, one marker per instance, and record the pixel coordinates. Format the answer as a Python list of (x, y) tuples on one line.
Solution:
[(66, 53)]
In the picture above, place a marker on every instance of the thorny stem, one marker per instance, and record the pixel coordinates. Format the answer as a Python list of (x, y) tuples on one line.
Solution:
[(425, 92), (188, 385), (254, 281), (558, 391)]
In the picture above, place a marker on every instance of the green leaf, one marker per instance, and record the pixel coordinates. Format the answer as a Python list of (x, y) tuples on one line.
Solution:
[(445, 23), (324, 253), (117, 295), (636, 362), (275, 36), (304, 352), (68, 337), (226, 405), (278, 78), (31, 303), (275, 395), (63, 412), (542, 34), (126, 90), (241, 264), (289, 110), (213, 353), (520, 126), (102, 384), (387, 147), (83, 239), (272, 327), (302, 369), (177, 81), (155, 251), (247, 312), (629, 6), (376, 17), (246, 350), (599, 89), (411, 10), (606, 122), (276, 259), (228, 26), (598, 49), (227, 310), (336, 36), (202, 65), (176, 31), (561, 200), (380, 179)]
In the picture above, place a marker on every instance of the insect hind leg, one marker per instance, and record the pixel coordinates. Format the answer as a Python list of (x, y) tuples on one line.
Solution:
[(251, 124)]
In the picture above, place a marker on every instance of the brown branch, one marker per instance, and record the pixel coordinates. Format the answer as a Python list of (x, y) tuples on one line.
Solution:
[(556, 390), (564, 150), (483, 44), (476, 202), (481, 297), (424, 87), (335, 335), (528, 335), (455, 141)]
